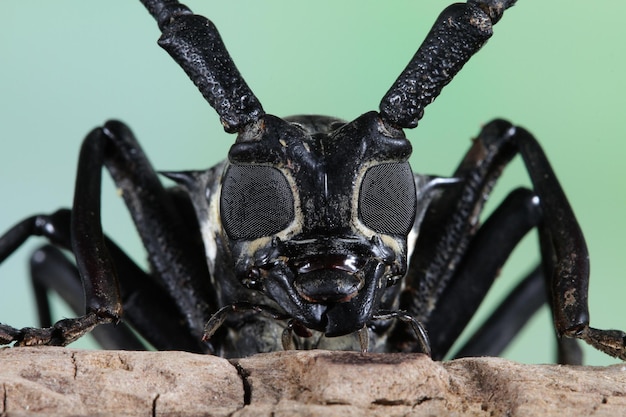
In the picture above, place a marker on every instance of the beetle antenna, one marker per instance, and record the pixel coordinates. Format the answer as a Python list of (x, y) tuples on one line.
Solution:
[(195, 44), (459, 32)]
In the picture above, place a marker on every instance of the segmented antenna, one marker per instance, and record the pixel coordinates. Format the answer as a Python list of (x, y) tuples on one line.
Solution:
[(459, 32), (195, 44)]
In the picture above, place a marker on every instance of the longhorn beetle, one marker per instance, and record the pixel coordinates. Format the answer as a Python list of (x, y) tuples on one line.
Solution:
[(334, 261)]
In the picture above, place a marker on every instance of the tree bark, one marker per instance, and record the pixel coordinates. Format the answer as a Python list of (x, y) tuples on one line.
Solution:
[(65, 382)]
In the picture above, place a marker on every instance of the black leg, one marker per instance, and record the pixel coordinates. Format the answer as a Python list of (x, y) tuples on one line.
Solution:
[(445, 245), (169, 234), (63, 331), (147, 305), (52, 271), (508, 318), (486, 254), (449, 224), (151, 310), (93, 260), (564, 251), (174, 247)]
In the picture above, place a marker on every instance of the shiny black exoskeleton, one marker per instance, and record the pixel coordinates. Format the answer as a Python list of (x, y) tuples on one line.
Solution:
[(314, 232)]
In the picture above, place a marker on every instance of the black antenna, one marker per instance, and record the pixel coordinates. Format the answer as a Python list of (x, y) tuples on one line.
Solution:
[(195, 44), (459, 32)]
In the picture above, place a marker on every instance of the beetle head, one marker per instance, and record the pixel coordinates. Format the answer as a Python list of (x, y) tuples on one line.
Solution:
[(316, 213)]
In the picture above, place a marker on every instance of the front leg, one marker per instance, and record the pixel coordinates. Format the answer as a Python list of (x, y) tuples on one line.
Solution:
[(61, 333), (177, 260), (95, 266), (86, 240), (564, 250), (451, 270)]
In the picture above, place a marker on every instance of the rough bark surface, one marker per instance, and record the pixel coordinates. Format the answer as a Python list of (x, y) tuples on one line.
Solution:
[(65, 382)]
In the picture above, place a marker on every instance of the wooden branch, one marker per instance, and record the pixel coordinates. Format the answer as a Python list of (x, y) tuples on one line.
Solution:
[(59, 382)]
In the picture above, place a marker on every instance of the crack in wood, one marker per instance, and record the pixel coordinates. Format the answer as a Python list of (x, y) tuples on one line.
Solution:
[(298, 383)]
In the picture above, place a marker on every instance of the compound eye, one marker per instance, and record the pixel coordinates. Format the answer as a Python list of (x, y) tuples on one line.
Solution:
[(387, 198), (256, 201)]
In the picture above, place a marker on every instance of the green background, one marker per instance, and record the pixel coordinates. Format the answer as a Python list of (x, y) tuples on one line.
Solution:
[(556, 67)]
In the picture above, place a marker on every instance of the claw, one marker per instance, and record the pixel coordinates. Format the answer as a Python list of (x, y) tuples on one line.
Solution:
[(418, 328), (216, 321), (611, 342), (8, 334), (62, 333)]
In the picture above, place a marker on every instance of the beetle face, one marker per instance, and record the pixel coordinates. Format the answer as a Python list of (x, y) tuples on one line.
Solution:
[(316, 213)]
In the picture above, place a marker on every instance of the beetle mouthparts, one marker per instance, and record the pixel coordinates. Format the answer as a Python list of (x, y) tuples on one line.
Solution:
[(328, 286)]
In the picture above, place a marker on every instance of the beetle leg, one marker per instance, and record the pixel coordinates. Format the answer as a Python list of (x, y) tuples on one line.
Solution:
[(448, 238), (505, 322), (177, 260), (612, 342), (62, 333), (147, 307), (508, 318), (482, 260), (564, 250), (487, 252), (94, 263), (451, 220), (218, 319), (55, 228), (51, 270)]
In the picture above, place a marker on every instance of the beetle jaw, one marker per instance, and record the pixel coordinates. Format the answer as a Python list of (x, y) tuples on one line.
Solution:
[(333, 313), (334, 288)]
